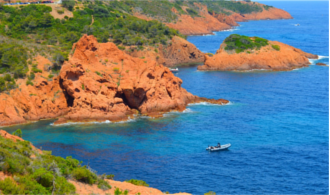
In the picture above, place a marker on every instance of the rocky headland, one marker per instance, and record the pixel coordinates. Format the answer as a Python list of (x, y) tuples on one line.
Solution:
[(99, 82), (242, 53), (208, 22)]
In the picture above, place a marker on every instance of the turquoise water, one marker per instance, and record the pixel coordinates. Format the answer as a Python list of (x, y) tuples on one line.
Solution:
[(277, 123)]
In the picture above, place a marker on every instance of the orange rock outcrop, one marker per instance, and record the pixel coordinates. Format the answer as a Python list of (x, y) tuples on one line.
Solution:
[(267, 58), (205, 24), (98, 83), (178, 52)]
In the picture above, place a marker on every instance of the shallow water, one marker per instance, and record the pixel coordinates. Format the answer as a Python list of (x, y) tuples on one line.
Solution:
[(277, 123)]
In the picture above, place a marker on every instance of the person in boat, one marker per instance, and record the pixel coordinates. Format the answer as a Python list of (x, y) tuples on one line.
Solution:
[(219, 146)]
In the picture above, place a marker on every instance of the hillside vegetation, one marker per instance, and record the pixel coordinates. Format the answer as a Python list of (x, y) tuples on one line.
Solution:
[(241, 43), (36, 172), (31, 30)]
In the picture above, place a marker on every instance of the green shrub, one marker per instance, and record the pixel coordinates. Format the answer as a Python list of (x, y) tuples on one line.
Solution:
[(98, 73), (43, 177), (276, 47), (121, 47), (116, 69), (156, 50), (104, 185), (28, 82), (50, 76), (8, 186), (36, 70), (32, 76), (7, 77), (119, 192), (82, 86), (60, 11), (84, 175), (240, 43), (210, 193), (62, 186), (138, 182), (18, 133), (111, 176)]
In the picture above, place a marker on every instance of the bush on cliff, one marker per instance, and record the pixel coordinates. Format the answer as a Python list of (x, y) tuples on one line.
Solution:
[(18, 133), (276, 47), (240, 43), (137, 182)]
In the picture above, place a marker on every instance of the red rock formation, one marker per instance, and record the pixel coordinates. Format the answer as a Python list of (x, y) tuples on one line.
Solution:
[(28, 103), (99, 82), (105, 83), (205, 24), (267, 58), (178, 52), (226, 19), (321, 64)]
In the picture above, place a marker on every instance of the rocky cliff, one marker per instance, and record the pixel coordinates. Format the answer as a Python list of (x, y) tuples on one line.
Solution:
[(178, 52), (275, 56), (99, 82), (207, 23)]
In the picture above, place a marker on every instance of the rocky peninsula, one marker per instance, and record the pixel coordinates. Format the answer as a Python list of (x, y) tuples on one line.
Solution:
[(208, 22), (99, 82), (242, 53)]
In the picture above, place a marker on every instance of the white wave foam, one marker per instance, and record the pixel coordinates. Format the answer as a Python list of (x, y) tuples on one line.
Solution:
[(209, 104), (94, 122), (312, 61), (230, 30), (323, 57)]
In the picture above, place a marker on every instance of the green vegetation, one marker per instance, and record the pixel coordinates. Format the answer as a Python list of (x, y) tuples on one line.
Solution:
[(276, 47), (210, 193), (266, 7), (7, 82), (221, 6), (119, 192), (34, 22), (18, 133), (42, 174), (138, 182), (240, 43)]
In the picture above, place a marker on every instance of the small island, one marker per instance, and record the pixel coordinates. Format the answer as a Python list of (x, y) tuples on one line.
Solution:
[(243, 53)]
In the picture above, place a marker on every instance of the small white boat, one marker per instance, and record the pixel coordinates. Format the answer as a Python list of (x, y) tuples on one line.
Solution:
[(216, 148), (174, 69)]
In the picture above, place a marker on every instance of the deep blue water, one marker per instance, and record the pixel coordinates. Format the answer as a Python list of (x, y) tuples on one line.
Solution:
[(277, 124)]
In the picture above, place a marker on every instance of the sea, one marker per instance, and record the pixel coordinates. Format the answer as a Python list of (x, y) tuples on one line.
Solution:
[(277, 123)]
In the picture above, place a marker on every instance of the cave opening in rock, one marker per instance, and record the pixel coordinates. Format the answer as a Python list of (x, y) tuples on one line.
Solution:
[(69, 99), (122, 96)]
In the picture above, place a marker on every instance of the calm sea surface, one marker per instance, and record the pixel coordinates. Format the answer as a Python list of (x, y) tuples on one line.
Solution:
[(277, 123)]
